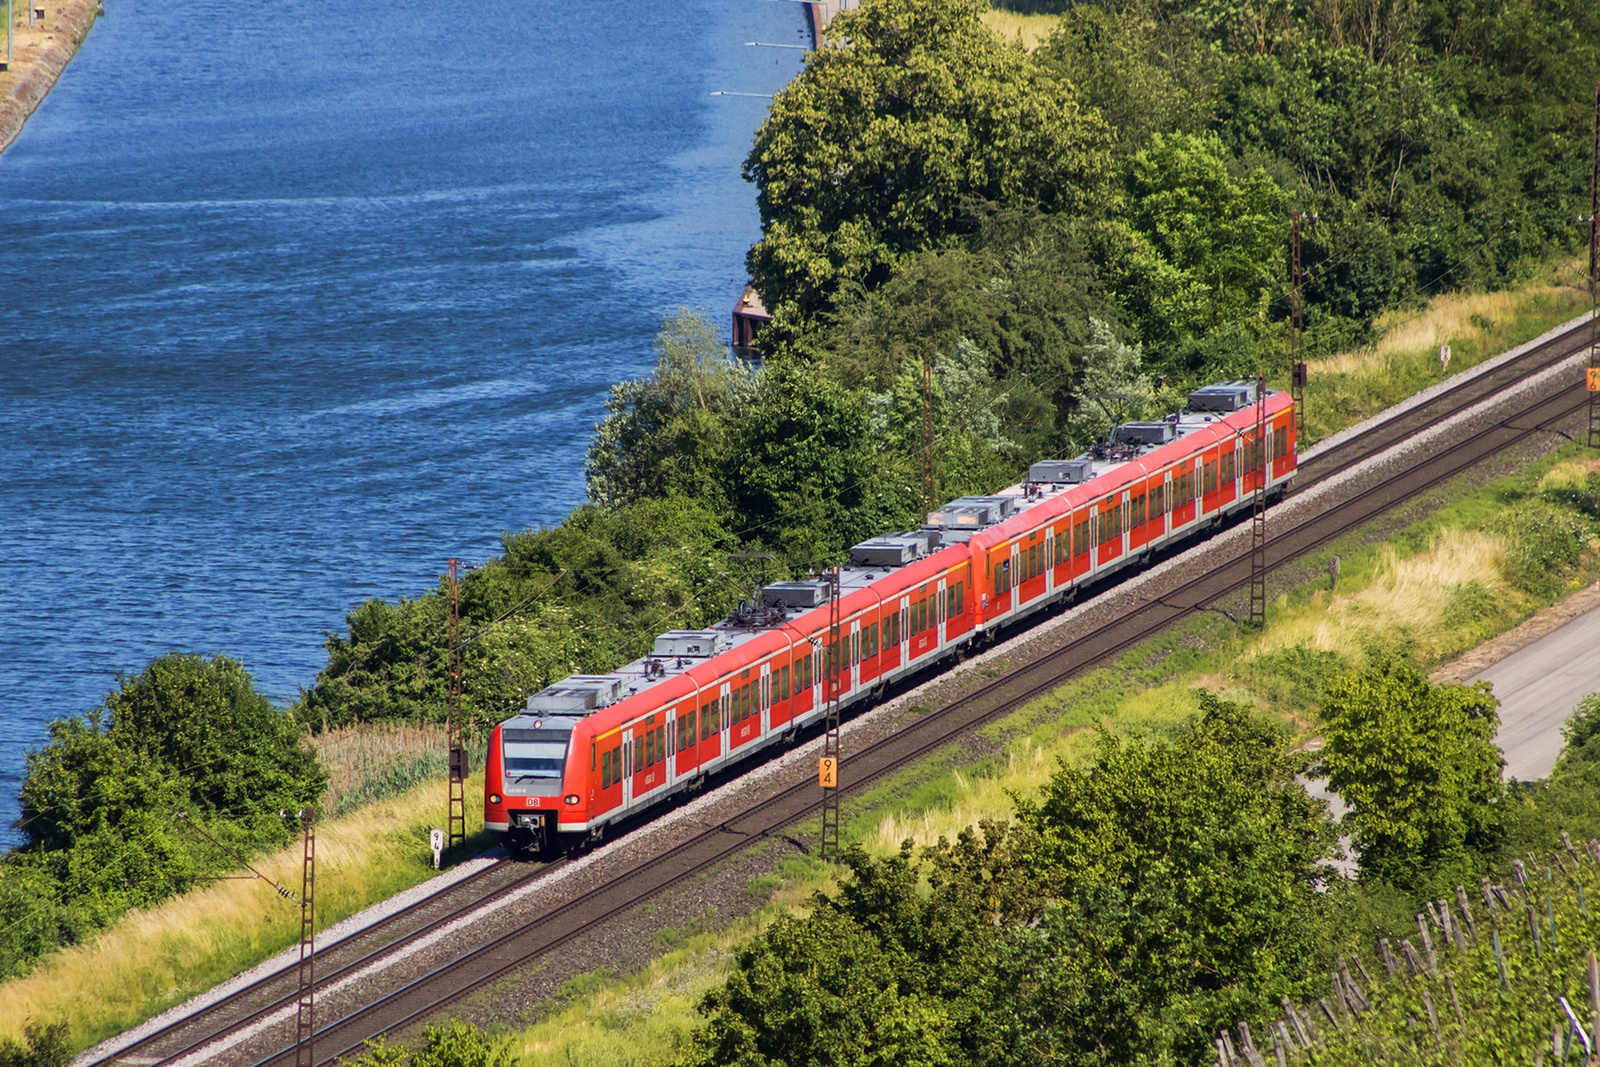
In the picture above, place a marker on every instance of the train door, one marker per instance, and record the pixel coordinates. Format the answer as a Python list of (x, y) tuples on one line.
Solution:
[(1049, 560), (1127, 522), (727, 721), (853, 677), (627, 768), (940, 636), (764, 696), (1014, 576), (1166, 504)]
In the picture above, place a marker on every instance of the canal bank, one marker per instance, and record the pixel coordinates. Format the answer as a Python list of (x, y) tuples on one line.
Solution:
[(41, 47)]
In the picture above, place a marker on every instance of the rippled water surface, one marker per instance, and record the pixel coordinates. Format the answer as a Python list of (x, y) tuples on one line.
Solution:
[(301, 301)]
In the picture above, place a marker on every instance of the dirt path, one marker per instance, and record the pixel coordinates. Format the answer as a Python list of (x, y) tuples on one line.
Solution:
[(38, 55)]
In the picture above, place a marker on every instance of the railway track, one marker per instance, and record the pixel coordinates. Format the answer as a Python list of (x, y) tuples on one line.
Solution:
[(558, 923), (346, 956)]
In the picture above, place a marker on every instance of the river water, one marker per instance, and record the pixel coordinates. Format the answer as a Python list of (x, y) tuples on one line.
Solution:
[(299, 301)]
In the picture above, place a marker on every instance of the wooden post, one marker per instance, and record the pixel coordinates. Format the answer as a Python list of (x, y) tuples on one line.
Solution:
[(1455, 1004), (1594, 1009), (1433, 1017), (1499, 957), (1427, 942)]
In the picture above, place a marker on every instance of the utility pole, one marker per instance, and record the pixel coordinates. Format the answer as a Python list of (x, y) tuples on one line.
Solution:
[(1594, 278), (828, 766), (1258, 526), (1297, 351), (306, 1022), (927, 436), (452, 723)]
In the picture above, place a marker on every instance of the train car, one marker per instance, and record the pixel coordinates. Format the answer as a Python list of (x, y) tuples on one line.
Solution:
[(591, 750)]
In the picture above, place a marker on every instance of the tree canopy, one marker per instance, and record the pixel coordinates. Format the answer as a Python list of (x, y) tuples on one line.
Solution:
[(1418, 765), (912, 110)]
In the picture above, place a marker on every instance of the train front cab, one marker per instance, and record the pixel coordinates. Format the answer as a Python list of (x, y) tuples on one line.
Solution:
[(525, 780)]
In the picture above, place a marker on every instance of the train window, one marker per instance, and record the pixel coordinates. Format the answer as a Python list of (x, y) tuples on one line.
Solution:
[(605, 770), (1158, 501), (672, 741), (593, 748), (1227, 466), (961, 597), (1080, 536), (725, 712), (1138, 511), (650, 748), (922, 614), (661, 743), (783, 682), (744, 703), (1208, 481)]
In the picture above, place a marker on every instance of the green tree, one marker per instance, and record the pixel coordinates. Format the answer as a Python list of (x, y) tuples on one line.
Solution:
[(113, 805), (1197, 251), (670, 432), (897, 968), (1419, 768), (1186, 881), (911, 109), (1113, 390)]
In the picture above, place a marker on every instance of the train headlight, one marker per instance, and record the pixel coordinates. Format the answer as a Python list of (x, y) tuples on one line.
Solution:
[(494, 798), (571, 798)]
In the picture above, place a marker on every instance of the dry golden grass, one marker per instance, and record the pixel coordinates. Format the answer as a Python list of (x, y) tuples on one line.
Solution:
[(1448, 319), (1403, 595), (1029, 31), (1569, 474), (1349, 386), (151, 960), (371, 760)]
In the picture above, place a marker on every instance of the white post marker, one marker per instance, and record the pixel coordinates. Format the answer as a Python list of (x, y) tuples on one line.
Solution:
[(436, 840), (1444, 359)]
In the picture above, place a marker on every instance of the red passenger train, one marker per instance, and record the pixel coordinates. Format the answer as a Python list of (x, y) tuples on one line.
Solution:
[(593, 749)]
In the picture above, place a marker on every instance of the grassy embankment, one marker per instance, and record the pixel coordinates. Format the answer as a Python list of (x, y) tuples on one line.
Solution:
[(158, 958), (1441, 585), (385, 792), (1347, 387)]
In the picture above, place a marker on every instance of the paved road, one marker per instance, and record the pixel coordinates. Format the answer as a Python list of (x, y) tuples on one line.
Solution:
[(1538, 687)]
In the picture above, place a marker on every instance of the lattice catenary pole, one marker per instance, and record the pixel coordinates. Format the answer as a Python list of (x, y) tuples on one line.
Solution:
[(928, 489), (1258, 526), (452, 722), (1594, 277), (1297, 351), (306, 1021), (834, 659)]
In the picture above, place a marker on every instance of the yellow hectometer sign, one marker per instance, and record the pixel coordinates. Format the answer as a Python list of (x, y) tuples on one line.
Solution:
[(828, 772), (1594, 379)]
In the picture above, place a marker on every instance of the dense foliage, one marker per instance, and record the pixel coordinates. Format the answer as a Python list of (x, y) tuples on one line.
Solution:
[(1419, 767), (183, 767), (1154, 894)]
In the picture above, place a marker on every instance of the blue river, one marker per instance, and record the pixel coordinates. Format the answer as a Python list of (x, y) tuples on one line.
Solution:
[(298, 302)]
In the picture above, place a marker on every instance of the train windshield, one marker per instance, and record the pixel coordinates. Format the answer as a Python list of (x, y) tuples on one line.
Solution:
[(534, 753)]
